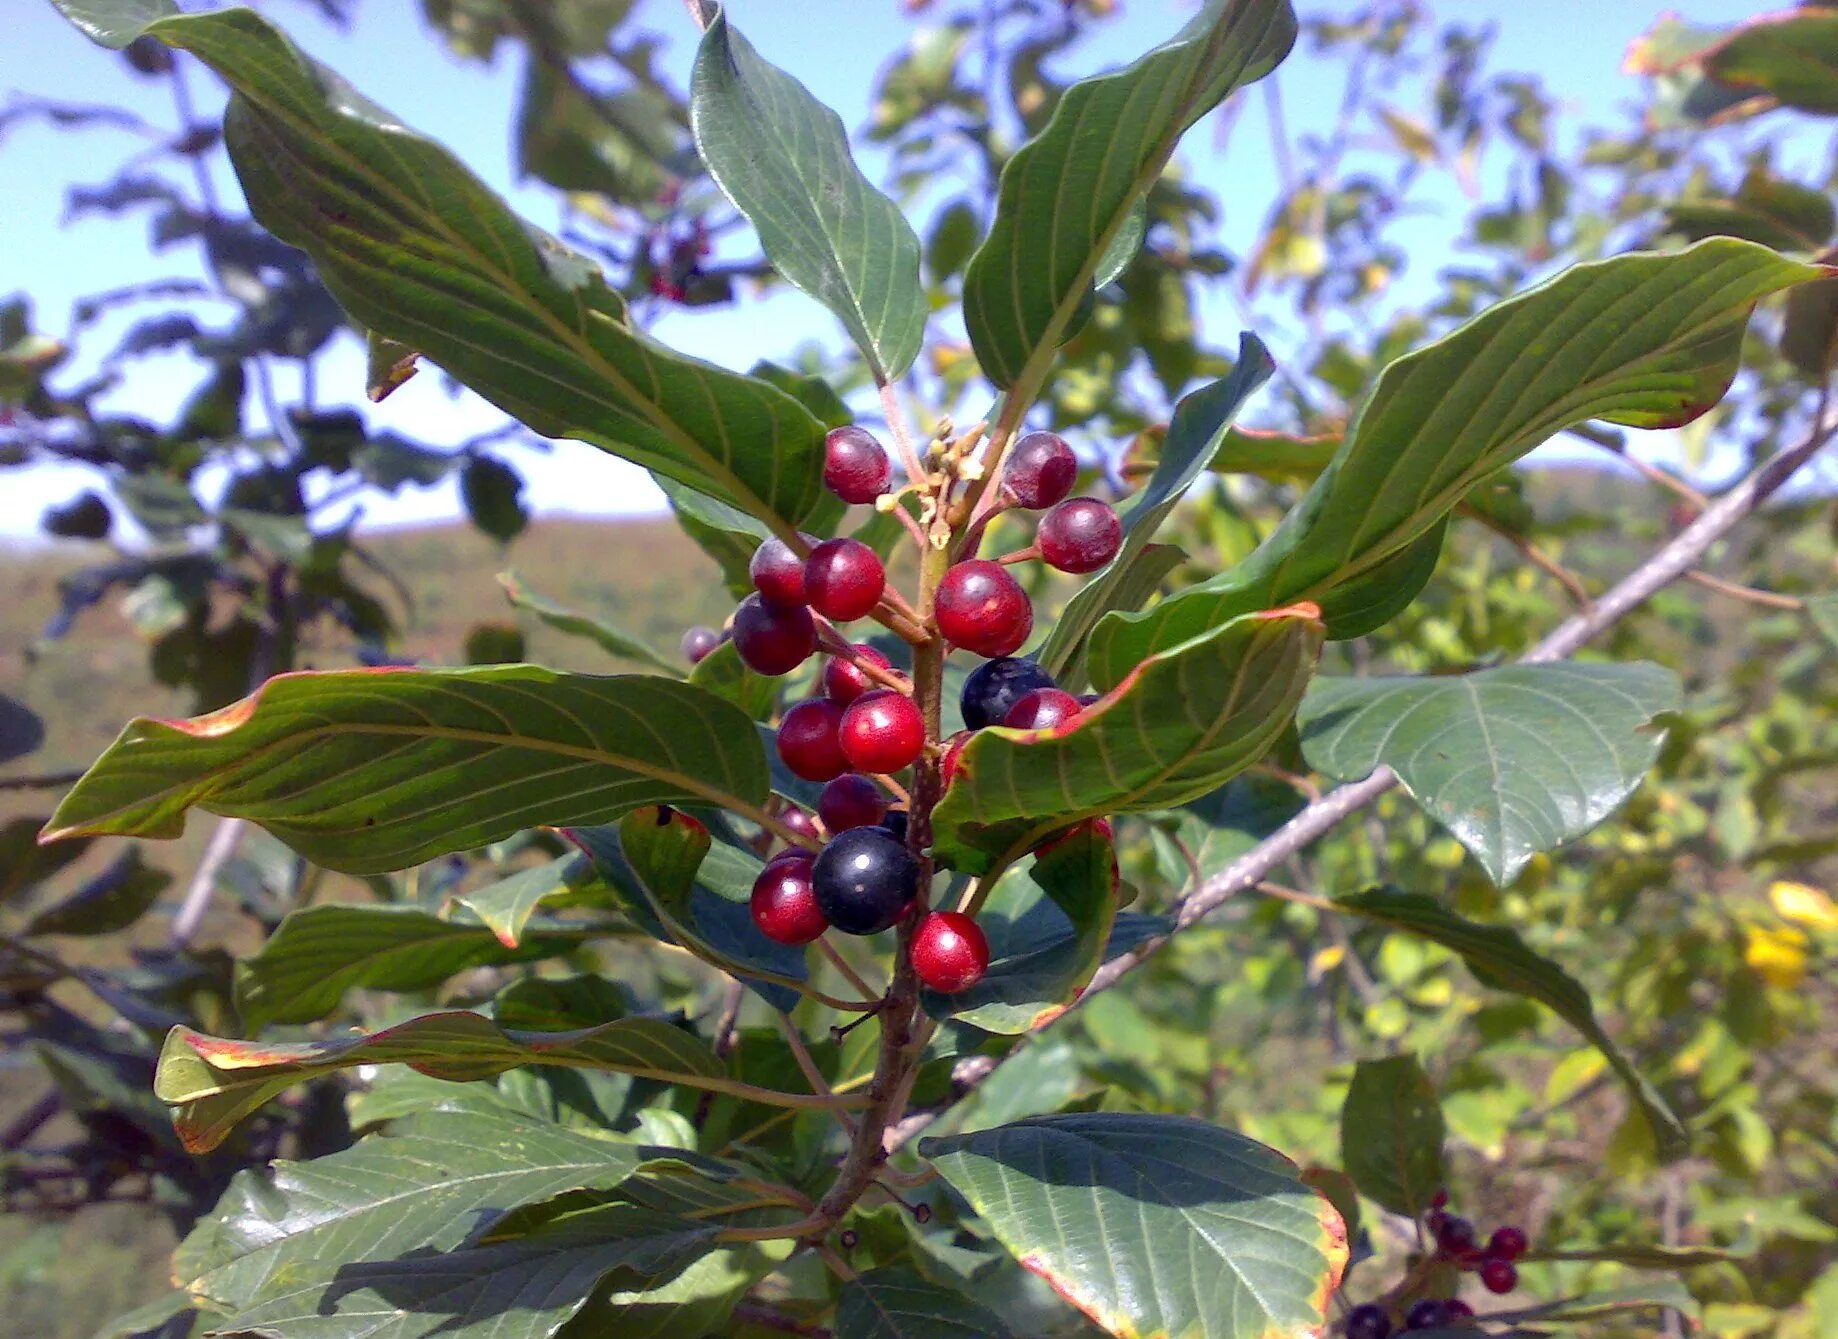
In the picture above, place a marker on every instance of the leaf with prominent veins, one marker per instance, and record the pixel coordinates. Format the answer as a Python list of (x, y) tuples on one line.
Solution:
[(373, 770)]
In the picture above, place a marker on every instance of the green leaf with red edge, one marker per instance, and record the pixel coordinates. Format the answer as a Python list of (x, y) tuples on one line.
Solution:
[(1050, 922), (783, 158), (417, 249), (1067, 196), (898, 1303), (1499, 959), (576, 624), (1194, 433), (1155, 1225), (374, 770), (1391, 1134), (682, 889), (1185, 722), (523, 1288), (1649, 341), (429, 1184), (214, 1082)]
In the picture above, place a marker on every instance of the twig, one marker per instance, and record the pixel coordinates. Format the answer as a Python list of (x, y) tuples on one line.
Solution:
[(217, 853), (844, 966), (1663, 567), (1766, 598), (1562, 575), (807, 1066), (51, 781), (901, 430)]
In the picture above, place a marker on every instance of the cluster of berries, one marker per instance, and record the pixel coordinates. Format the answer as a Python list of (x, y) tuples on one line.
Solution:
[(1459, 1245), (864, 723)]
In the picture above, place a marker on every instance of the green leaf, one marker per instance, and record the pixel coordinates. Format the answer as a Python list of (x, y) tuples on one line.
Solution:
[(813, 392), (1765, 209), (1499, 959), (724, 533), (1790, 56), (1281, 457), (783, 158), (319, 953), (1653, 1295), (419, 250), (723, 673), (214, 1082), (897, 1303), (507, 905), (1651, 1255), (1129, 582), (1155, 1224), (1199, 424), (626, 145), (564, 619), (683, 890), (1822, 612), (1513, 761), (1649, 341), (1050, 922), (432, 1183), (1182, 725), (374, 770), (1069, 194), (1391, 1134), (519, 1289), (109, 901), (1809, 332)]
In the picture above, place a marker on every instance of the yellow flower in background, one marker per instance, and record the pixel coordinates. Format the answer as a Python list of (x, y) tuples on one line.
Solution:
[(1803, 904), (1778, 956)]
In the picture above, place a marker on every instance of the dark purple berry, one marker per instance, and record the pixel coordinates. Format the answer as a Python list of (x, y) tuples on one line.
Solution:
[(855, 466), (1455, 1235), (1456, 1309), (1499, 1276), (865, 880), (1042, 709), (1041, 470), (1367, 1321), (851, 801), (1425, 1314), (1508, 1243), (773, 639), (1080, 535), (698, 642), (996, 685), (843, 579), (778, 573)]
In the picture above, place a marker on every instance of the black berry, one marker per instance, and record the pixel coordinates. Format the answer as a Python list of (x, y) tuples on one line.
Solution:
[(894, 822), (1425, 1314), (855, 466), (1041, 470), (1455, 1236), (1367, 1321), (843, 579), (1080, 535), (773, 639), (996, 685), (865, 880)]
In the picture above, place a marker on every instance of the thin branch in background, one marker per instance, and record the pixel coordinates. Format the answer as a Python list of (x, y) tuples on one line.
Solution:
[(1748, 594), (49, 781), (1537, 557), (1666, 565), (1615, 444)]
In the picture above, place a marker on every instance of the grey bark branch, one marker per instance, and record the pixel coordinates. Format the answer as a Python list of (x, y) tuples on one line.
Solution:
[(1660, 569)]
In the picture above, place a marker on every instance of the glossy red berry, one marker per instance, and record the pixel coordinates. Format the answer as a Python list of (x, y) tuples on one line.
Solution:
[(843, 579), (851, 801), (954, 749), (784, 904), (1079, 535), (1453, 1308), (950, 952), (809, 741), (800, 822), (844, 681), (1507, 1243), (996, 685), (1367, 1321), (773, 639), (698, 642), (865, 880), (882, 731), (1041, 470), (1042, 709), (982, 608), (855, 466), (791, 855), (778, 573), (1499, 1276)]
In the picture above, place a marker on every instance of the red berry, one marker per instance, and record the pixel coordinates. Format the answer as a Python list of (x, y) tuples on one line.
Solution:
[(954, 749), (855, 467), (778, 573), (1042, 709), (851, 801), (800, 822), (882, 731), (1080, 535), (698, 642), (950, 952), (1440, 1200), (1499, 1276), (1041, 470), (1507, 1243), (809, 741), (982, 608), (791, 855), (784, 905), (1455, 1235), (843, 579), (1456, 1309), (773, 639), (844, 681)]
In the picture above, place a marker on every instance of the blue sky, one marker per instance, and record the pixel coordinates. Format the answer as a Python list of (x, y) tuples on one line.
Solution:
[(834, 46)]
